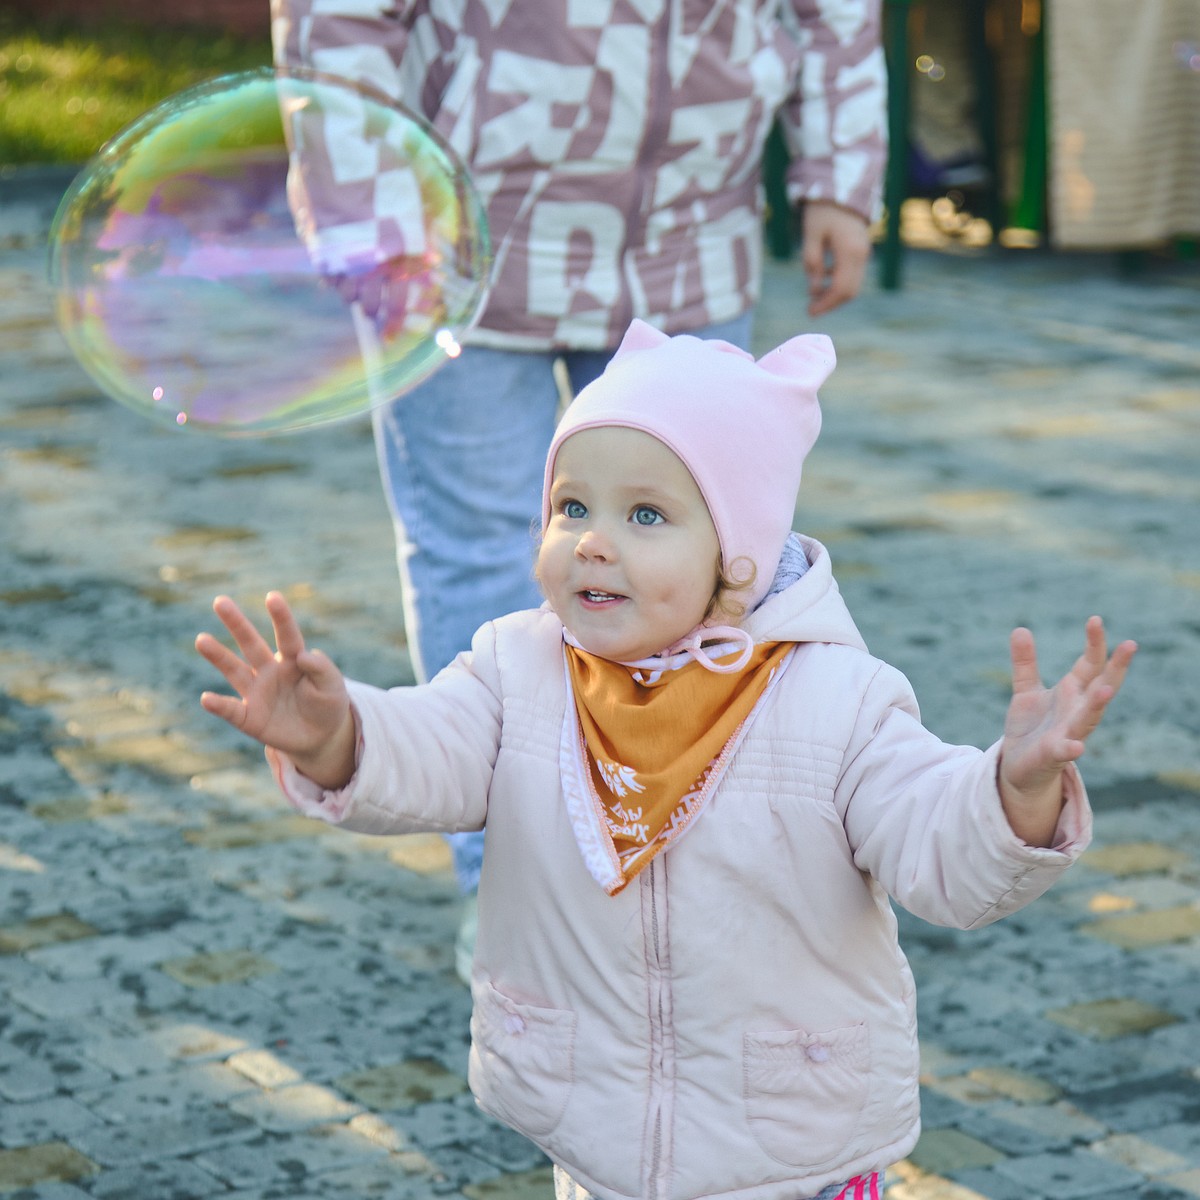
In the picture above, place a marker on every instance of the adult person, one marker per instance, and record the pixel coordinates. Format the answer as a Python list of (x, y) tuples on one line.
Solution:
[(617, 147)]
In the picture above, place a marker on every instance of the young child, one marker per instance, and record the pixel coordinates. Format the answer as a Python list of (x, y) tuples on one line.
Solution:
[(699, 790)]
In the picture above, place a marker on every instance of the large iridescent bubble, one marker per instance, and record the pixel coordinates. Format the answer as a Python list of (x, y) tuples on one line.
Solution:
[(268, 251)]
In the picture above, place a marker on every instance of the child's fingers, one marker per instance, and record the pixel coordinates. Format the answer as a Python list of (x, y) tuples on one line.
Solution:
[(235, 670), (1095, 651), (1100, 692), (1117, 667), (1023, 651), (244, 632), (228, 708), (288, 638)]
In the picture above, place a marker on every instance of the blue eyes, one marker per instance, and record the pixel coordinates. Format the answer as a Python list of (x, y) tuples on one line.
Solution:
[(643, 514)]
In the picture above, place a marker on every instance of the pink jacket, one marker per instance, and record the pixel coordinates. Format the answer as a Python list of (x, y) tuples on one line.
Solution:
[(616, 145), (739, 1022)]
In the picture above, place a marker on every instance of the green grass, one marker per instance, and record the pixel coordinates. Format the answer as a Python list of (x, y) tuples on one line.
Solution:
[(65, 90)]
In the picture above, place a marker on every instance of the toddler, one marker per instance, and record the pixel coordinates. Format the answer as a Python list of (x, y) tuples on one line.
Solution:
[(699, 790)]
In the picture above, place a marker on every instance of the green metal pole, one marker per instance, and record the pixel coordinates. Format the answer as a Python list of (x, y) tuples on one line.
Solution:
[(895, 184)]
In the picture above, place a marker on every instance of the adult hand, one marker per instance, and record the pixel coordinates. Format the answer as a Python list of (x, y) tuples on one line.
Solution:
[(835, 253)]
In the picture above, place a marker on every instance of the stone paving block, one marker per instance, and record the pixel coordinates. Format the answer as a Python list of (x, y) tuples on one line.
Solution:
[(1022, 1130), (1139, 1155), (507, 1149), (98, 956), (1185, 1182), (14, 859), (49, 930), (460, 1168), (44, 1162), (25, 1078), (1139, 930), (383, 1131), (1154, 892), (944, 1151), (527, 1185), (297, 1157), (264, 1068), (1016, 1085), (402, 1085), (230, 834), (985, 1085), (274, 1191), (446, 1123), (240, 787), (297, 1107), (398, 1177), (1161, 1108), (1071, 1175), (78, 998), (172, 1179), (168, 1096), (912, 1183), (1081, 1065), (49, 1191), (1008, 1138), (1134, 858), (987, 1183), (148, 1049), (1178, 1132), (1113, 1018), (89, 807), (424, 853), (144, 1142), (219, 967), (936, 1061), (1105, 903), (26, 1124)]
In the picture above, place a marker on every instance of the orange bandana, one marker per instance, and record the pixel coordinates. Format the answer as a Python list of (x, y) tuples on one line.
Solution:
[(655, 747)]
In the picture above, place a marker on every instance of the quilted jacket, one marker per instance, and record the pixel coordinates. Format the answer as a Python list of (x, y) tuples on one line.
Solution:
[(738, 1023)]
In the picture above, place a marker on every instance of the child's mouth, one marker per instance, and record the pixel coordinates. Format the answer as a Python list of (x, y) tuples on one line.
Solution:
[(593, 596)]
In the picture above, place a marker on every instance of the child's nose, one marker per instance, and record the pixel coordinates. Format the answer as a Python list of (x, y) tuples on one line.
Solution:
[(594, 546)]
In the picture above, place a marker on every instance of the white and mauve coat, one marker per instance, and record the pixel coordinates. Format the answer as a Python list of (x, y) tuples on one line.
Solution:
[(739, 1022), (615, 144)]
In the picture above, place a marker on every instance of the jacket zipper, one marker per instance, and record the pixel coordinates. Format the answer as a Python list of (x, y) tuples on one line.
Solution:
[(658, 1023)]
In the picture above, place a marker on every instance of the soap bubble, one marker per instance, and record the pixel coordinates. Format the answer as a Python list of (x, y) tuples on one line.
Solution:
[(215, 273)]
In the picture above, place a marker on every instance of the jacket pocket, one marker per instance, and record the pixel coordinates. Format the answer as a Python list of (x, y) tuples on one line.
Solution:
[(524, 1060), (805, 1092)]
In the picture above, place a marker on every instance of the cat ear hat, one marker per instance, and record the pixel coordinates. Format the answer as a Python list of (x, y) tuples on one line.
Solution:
[(741, 427)]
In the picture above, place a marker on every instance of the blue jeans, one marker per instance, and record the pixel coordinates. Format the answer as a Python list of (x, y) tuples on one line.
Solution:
[(461, 458)]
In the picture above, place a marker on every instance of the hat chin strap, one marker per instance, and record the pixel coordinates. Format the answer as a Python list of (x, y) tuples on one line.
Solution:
[(719, 638), (722, 640)]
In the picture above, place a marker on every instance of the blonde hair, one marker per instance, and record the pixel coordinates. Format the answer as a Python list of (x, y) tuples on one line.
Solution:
[(724, 600)]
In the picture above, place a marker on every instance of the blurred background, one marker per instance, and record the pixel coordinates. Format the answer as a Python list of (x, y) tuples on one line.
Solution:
[(1068, 124)]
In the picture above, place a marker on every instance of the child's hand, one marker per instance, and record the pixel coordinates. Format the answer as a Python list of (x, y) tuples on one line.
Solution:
[(291, 699), (1047, 728)]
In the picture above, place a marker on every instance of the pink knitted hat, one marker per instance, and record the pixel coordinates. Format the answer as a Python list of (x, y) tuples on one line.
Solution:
[(742, 428)]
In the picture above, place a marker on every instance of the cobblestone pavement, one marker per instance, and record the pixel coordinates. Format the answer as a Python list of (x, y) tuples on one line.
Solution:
[(204, 995)]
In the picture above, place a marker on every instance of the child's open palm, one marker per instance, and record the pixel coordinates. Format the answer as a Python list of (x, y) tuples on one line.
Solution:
[(1047, 728), (290, 698)]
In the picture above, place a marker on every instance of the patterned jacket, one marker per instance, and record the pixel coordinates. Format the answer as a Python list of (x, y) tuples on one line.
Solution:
[(617, 143), (739, 1023)]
